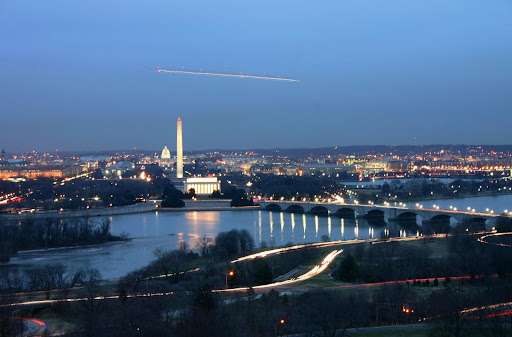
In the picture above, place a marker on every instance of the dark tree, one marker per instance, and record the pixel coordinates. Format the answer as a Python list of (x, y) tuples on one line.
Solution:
[(262, 273), (216, 195), (239, 198), (348, 271), (173, 198)]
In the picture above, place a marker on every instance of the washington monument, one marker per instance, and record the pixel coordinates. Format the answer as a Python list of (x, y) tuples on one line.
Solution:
[(179, 151)]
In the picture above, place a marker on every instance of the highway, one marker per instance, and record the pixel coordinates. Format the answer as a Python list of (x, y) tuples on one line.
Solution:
[(317, 270)]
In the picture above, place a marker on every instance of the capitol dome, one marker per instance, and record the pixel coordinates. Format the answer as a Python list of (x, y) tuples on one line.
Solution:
[(166, 154)]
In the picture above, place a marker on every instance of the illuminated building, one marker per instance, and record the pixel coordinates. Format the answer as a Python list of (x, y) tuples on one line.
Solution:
[(166, 154), (397, 166), (116, 171), (202, 185), (34, 172)]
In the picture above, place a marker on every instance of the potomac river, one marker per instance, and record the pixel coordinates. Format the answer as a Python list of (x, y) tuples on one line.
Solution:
[(152, 230)]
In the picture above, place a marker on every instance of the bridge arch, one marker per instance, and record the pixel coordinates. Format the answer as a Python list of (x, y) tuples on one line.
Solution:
[(407, 216), (319, 210), (437, 224), (273, 207), (441, 218), (474, 224), (345, 212), (375, 213), (478, 219), (295, 209)]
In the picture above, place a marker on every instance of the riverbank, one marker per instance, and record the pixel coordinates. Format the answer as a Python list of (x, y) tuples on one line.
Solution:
[(206, 209), (78, 246), (94, 212), (150, 206)]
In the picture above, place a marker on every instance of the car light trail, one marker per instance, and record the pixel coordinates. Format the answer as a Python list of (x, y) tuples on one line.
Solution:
[(482, 239), (430, 279), (33, 320), (97, 298), (318, 269), (226, 75), (277, 251)]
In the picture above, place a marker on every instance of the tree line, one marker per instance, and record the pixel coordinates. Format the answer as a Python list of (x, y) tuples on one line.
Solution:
[(52, 233)]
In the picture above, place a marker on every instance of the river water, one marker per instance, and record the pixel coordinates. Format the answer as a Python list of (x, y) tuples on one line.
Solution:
[(167, 229)]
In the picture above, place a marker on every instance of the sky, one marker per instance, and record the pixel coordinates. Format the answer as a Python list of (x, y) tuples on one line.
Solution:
[(80, 75)]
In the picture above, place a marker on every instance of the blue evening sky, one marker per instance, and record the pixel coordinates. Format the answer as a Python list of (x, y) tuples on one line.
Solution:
[(76, 75)]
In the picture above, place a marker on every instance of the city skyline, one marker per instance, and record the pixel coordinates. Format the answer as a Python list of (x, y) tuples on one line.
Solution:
[(75, 76), (270, 168)]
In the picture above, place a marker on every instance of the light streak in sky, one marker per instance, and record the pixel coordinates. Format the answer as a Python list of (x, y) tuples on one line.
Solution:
[(226, 75)]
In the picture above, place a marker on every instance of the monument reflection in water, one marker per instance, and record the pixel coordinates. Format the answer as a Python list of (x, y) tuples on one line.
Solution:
[(271, 227)]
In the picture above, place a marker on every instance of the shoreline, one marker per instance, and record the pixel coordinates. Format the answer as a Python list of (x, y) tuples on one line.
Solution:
[(206, 209), (55, 249), (122, 210), (128, 209)]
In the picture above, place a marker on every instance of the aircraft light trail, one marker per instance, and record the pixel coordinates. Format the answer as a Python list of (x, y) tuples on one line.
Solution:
[(226, 75)]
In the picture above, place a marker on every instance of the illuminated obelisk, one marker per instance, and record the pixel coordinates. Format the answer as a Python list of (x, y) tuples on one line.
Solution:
[(179, 151)]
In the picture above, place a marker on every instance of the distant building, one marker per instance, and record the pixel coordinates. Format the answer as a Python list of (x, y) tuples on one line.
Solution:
[(397, 165), (165, 159), (326, 169), (202, 185), (94, 162), (34, 172), (116, 171), (166, 154), (349, 160)]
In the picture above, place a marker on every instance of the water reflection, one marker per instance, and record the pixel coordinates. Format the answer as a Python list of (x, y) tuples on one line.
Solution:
[(259, 225), (202, 218), (316, 226), (293, 226), (281, 218), (304, 225), (169, 229), (271, 226)]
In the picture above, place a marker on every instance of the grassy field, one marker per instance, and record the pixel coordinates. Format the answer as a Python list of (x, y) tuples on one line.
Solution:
[(438, 246)]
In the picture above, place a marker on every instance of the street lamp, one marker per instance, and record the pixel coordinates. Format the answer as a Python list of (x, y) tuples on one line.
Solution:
[(281, 322), (230, 274)]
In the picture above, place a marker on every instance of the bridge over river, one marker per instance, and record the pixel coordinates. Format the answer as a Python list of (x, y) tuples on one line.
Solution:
[(391, 213)]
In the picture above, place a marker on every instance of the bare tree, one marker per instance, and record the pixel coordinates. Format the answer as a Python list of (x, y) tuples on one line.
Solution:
[(246, 241), (448, 305), (204, 244), (8, 326)]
